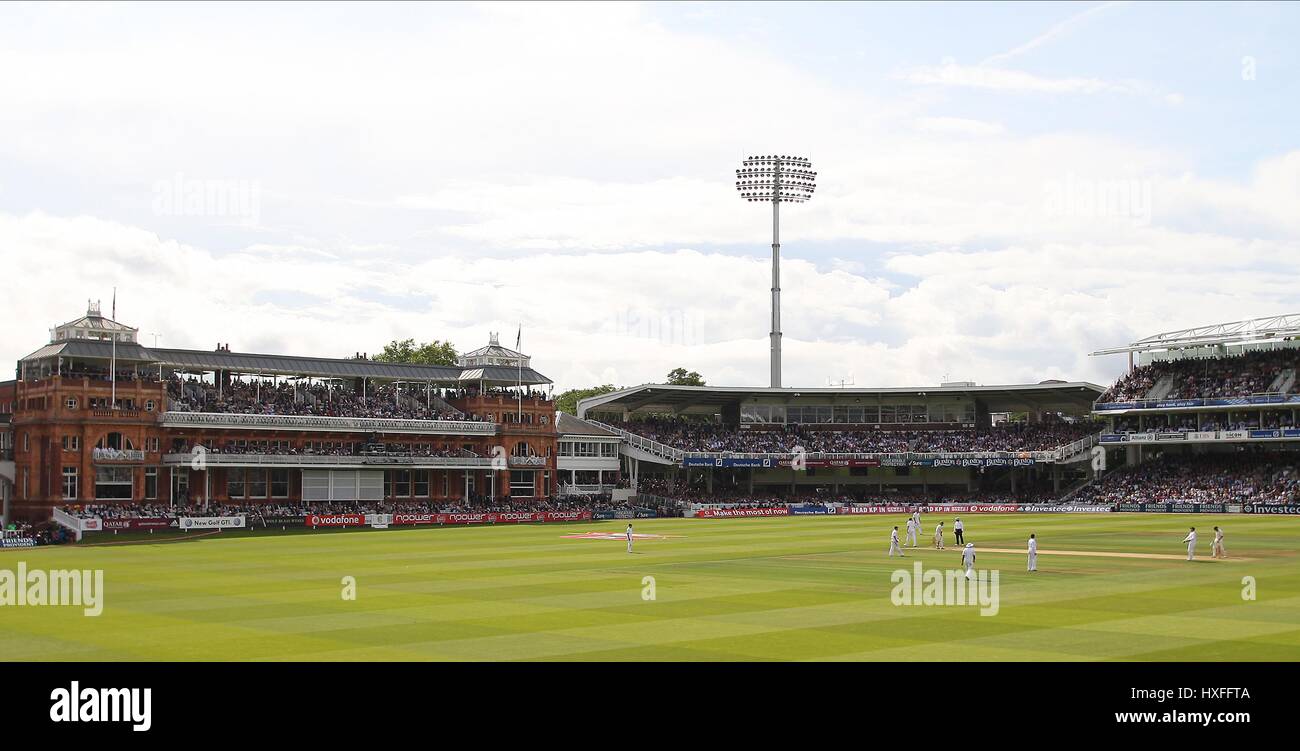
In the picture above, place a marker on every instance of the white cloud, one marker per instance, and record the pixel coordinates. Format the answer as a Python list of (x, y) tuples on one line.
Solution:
[(1055, 31), (444, 174), (1002, 79), (959, 125)]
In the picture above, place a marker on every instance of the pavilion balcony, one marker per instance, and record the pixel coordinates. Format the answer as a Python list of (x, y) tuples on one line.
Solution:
[(315, 423), (313, 461)]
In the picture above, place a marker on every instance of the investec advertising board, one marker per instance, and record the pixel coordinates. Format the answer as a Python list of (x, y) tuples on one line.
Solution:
[(1270, 508), (730, 462), (959, 508)]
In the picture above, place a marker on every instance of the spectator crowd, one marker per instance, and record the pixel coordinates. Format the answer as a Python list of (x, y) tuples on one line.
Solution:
[(405, 401), (1238, 477), (1206, 378), (265, 510), (696, 435)]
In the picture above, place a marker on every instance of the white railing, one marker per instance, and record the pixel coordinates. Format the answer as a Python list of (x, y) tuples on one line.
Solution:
[(64, 519), (645, 444), (527, 461), (1074, 449), (310, 460), (677, 455), (319, 423), (583, 489), (1259, 399)]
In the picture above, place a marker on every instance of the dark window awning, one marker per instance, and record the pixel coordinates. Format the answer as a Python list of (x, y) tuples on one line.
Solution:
[(315, 367), (285, 365)]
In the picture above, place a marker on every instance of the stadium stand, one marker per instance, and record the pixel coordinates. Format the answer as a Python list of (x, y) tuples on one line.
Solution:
[(1255, 476), (1247, 374), (694, 435)]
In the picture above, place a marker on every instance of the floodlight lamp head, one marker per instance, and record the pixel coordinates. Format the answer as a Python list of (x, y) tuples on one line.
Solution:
[(779, 179)]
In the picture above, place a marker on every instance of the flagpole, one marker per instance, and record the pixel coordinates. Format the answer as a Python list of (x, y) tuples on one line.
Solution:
[(519, 383), (112, 402)]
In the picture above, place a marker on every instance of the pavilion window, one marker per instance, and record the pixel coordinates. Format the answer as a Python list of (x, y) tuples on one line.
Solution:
[(113, 483)]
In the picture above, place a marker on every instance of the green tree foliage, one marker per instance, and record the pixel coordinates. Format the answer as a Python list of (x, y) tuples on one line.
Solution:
[(567, 401), (432, 353), (680, 377)]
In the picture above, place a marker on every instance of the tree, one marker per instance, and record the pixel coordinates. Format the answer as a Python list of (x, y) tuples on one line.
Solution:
[(567, 401), (432, 353), (680, 377)]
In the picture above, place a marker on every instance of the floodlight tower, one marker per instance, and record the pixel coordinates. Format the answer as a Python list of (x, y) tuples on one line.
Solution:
[(779, 179)]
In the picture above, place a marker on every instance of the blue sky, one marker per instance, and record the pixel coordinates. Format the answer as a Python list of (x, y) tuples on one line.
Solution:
[(442, 171)]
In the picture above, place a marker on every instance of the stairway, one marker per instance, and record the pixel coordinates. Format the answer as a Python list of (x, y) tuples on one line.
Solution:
[(439, 404), (1283, 383), (1076, 488), (1162, 387)]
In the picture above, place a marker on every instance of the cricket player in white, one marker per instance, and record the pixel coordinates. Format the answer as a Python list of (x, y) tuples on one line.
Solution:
[(968, 560), (912, 529), (1219, 552), (629, 538), (916, 517), (893, 544), (938, 536), (1033, 553), (1190, 539)]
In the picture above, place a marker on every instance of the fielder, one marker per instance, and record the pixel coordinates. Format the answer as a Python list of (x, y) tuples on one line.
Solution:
[(968, 560), (1033, 553), (1190, 539), (1219, 552), (956, 530), (893, 544), (938, 536), (629, 538), (912, 529)]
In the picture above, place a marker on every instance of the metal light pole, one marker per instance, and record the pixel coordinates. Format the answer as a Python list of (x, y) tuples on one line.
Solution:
[(777, 179)]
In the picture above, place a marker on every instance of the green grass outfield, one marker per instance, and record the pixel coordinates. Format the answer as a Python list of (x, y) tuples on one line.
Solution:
[(803, 588)]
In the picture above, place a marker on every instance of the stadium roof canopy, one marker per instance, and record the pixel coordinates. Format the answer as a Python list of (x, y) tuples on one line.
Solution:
[(284, 365), (92, 349), (1049, 396), (1252, 331), (567, 424)]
